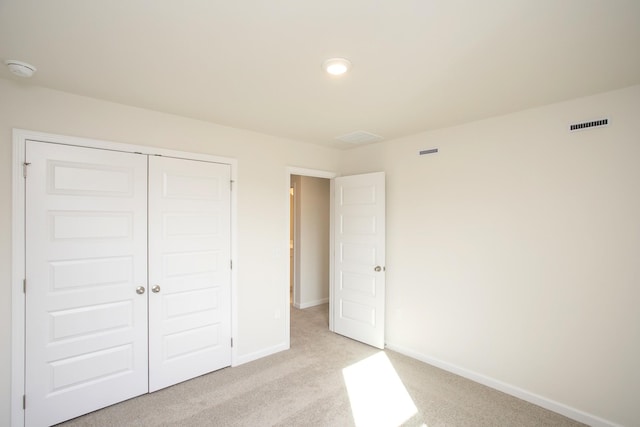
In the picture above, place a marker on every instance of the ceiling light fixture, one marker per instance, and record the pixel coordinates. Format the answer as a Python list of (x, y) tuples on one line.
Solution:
[(20, 68), (336, 66)]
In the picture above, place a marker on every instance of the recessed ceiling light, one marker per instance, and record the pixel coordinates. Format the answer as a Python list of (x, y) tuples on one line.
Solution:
[(20, 68), (336, 66)]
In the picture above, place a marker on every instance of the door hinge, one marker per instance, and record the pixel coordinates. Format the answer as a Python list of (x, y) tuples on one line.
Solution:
[(231, 264), (24, 401), (231, 185), (231, 341), (24, 286), (24, 169)]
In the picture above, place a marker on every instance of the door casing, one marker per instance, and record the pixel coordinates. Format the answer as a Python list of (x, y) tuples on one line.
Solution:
[(20, 136)]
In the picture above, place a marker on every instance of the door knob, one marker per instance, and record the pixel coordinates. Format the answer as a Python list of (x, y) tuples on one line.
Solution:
[(140, 290), (377, 269), (155, 289)]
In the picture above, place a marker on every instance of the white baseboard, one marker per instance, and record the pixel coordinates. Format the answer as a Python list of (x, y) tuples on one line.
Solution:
[(312, 303), (544, 402), (246, 358)]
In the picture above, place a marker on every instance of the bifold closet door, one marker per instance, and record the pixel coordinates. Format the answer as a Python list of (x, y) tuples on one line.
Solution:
[(189, 269), (86, 274), (128, 274)]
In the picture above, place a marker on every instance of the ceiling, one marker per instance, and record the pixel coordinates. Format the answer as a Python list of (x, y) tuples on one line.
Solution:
[(252, 64)]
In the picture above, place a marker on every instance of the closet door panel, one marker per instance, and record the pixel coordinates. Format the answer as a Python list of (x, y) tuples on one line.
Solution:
[(86, 326), (189, 269)]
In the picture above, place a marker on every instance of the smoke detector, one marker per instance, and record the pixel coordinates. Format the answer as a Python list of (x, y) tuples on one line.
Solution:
[(19, 68)]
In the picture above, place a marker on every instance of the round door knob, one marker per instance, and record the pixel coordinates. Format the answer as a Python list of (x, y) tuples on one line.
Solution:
[(155, 289), (377, 269), (140, 290)]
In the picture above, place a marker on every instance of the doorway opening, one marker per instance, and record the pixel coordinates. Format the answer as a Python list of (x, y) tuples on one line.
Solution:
[(309, 241), (309, 237)]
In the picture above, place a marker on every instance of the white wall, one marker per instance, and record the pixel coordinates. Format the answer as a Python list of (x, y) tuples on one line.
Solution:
[(263, 228), (513, 255), (312, 241)]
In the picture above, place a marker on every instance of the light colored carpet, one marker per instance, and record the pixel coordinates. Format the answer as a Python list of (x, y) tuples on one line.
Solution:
[(305, 386)]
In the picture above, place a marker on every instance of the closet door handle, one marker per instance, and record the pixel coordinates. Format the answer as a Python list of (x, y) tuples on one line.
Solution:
[(155, 289), (140, 290)]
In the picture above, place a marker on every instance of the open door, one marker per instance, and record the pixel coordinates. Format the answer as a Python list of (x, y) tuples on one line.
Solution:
[(359, 258)]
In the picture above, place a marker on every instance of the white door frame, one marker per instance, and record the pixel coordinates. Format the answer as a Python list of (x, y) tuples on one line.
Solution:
[(18, 262), (315, 173)]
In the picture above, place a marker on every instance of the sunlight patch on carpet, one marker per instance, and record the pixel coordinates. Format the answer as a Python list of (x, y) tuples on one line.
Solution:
[(376, 393)]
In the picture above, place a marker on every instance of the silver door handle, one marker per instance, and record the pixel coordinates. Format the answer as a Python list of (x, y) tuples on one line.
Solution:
[(377, 269), (140, 290), (155, 289)]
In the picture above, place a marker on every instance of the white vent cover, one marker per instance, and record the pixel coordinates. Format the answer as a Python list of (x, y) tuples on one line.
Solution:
[(359, 137), (588, 125)]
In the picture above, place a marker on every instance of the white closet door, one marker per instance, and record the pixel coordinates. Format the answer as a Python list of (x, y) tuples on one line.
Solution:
[(189, 269), (86, 326)]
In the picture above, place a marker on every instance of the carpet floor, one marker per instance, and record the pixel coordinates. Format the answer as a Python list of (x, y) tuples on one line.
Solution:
[(326, 380)]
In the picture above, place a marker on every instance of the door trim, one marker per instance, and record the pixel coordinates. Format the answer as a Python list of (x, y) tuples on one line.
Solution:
[(18, 261), (315, 173)]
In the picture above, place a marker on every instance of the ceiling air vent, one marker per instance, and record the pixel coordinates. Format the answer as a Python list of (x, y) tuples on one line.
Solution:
[(359, 137), (588, 125)]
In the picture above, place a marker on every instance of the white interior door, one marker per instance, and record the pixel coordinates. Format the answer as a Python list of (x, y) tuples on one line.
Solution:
[(189, 269), (359, 257), (86, 326)]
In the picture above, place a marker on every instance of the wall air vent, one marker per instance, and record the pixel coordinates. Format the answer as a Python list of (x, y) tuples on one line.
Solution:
[(588, 125), (429, 151)]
